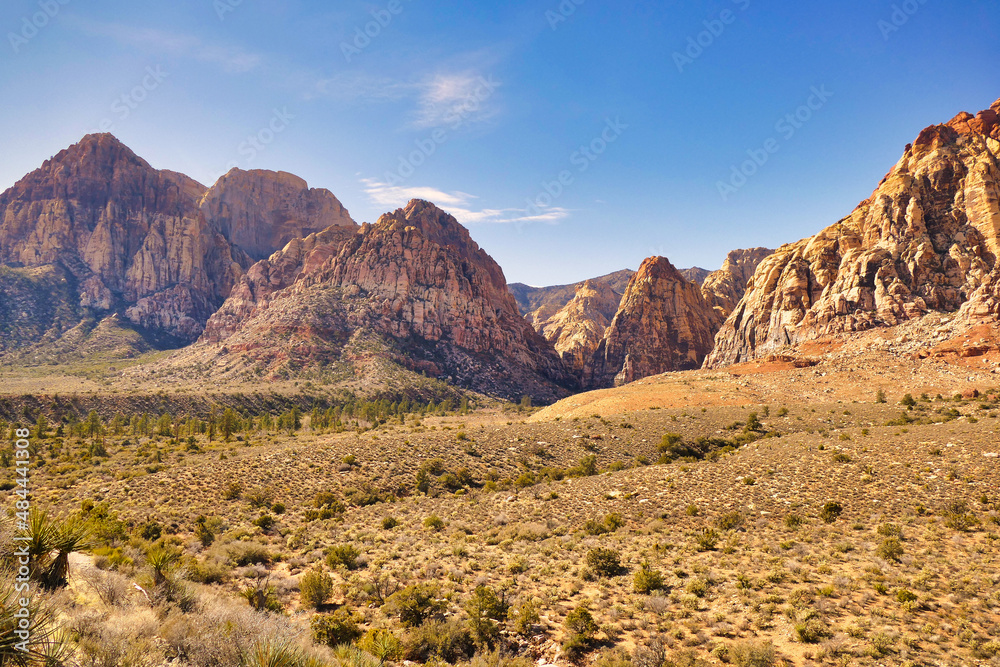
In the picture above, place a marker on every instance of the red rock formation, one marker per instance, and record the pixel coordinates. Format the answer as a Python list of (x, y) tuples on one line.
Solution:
[(926, 240), (415, 278), (663, 324), (578, 328), (724, 288)]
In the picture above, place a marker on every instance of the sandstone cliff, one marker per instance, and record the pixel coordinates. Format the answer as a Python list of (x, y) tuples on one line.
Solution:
[(695, 274), (538, 304), (926, 240), (261, 211), (724, 288), (416, 281), (578, 328), (153, 245), (663, 324)]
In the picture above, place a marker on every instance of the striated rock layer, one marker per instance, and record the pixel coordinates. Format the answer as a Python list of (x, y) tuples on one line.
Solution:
[(664, 324), (578, 328), (155, 245), (926, 240), (417, 279), (724, 288)]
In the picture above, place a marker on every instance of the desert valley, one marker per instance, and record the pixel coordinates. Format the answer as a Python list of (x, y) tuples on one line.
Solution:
[(261, 433)]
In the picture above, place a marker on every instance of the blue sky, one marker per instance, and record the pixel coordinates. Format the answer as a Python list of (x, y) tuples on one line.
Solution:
[(573, 138)]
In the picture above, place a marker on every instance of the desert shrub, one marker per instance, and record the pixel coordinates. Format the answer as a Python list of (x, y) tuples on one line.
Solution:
[(208, 571), (232, 491), (706, 540), (261, 596), (752, 654), (363, 496), (830, 512), (793, 521), (889, 530), (202, 532), (382, 644), (448, 640), (486, 610), (327, 500), (278, 508), (434, 522), (340, 627), (150, 531), (958, 516), (812, 631), (648, 579), (248, 553), (604, 562), (580, 629), (264, 522), (259, 497), (841, 457), (389, 522), (315, 587), (343, 555), (908, 401), (890, 549), (414, 604), (904, 595), (608, 524), (730, 520), (526, 618)]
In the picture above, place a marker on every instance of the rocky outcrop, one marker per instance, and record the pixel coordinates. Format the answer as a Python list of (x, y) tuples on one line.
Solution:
[(416, 279), (261, 211), (926, 240), (695, 274), (578, 328), (724, 288), (153, 245), (663, 324), (538, 304)]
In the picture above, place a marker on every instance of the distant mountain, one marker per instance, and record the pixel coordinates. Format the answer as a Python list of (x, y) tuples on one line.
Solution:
[(695, 274), (412, 292), (541, 303), (926, 241), (156, 247)]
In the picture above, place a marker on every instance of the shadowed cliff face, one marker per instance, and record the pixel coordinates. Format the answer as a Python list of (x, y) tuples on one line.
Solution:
[(142, 241), (415, 277), (926, 240)]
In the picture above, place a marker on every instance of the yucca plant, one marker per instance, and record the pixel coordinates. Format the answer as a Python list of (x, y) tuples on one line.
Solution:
[(161, 560), (48, 646), (276, 653), (50, 542)]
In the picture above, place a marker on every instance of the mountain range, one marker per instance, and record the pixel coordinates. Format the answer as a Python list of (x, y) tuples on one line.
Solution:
[(261, 277)]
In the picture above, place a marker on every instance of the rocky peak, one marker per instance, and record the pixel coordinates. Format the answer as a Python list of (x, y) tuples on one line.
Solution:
[(926, 240), (663, 324), (414, 278), (724, 288), (260, 211), (578, 328)]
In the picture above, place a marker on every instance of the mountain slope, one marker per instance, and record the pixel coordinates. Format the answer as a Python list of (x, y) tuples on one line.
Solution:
[(413, 289), (155, 246), (663, 324), (578, 328), (925, 240), (540, 303)]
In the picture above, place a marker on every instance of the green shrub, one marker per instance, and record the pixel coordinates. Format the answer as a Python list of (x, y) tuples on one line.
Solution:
[(648, 579), (904, 595), (706, 540), (730, 521), (958, 516), (580, 622), (486, 610), (389, 522), (448, 640), (752, 654), (414, 604), (340, 627), (890, 549), (812, 631), (434, 522), (382, 644), (526, 619), (315, 587), (343, 555), (604, 562), (793, 521), (830, 512), (264, 522), (889, 530)]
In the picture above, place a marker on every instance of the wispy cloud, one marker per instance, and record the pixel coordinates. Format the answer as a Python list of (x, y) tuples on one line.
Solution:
[(355, 87), (230, 58), (446, 96), (459, 204)]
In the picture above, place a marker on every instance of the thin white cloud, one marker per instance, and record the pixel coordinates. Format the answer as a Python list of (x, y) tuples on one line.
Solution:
[(447, 98), (230, 58), (459, 204), (354, 86)]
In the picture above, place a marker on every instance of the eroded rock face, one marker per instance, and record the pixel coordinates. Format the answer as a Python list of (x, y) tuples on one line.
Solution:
[(663, 324), (261, 211), (724, 288), (926, 240), (578, 328), (152, 244), (415, 277)]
